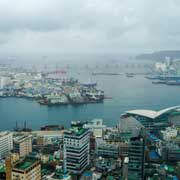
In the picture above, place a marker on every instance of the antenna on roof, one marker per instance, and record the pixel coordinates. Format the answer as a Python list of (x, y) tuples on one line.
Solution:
[(24, 125)]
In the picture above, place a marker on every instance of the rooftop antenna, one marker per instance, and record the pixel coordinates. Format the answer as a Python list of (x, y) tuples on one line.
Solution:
[(16, 128), (25, 125), (45, 68), (56, 68)]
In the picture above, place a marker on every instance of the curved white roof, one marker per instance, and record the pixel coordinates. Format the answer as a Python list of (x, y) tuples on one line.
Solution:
[(143, 112), (151, 114)]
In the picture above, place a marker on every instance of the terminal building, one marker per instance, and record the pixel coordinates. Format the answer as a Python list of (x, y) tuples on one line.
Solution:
[(155, 120)]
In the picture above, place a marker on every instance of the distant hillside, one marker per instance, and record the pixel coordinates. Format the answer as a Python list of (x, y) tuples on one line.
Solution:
[(159, 55)]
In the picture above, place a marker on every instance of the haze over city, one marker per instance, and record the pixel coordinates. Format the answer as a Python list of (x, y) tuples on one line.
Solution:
[(47, 27), (89, 90)]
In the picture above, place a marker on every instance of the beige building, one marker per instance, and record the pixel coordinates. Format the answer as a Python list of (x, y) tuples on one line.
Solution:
[(22, 145), (27, 169)]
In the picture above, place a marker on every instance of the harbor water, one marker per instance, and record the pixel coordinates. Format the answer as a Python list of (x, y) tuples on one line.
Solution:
[(127, 93)]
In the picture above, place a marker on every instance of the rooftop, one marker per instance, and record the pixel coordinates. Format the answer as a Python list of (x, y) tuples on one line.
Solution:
[(21, 138), (75, 131), (4, 133), (152, 114), (25, 163), (59, 174), (154, 155), (2, 169)]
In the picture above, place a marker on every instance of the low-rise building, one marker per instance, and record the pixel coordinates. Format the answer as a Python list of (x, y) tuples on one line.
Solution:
[(96, 126), (106, 149), (169, 133), (59, 175), (25, 169), (171, 152)]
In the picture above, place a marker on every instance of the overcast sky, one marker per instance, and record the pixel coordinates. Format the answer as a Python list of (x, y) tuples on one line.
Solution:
[(51, 26)]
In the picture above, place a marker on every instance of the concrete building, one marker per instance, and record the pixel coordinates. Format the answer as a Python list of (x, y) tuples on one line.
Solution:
[(76, 150), (27, 169), (22, 145), (106, 149), (59, 175), (136, 158), (170, 152), (125, 167), (96, 126), (6, 144), (46, 137), (169, 133)]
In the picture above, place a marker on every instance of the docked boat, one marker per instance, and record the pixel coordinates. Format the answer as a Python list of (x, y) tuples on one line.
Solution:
[(89, 84), (43, 102), (173, 83), (62, 99), (55, 100), (76, 98), (152, 77), (95, 95), (159, 82), (129, 75)]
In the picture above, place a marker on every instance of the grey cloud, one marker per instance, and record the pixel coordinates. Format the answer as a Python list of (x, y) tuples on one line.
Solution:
[(89, 25)]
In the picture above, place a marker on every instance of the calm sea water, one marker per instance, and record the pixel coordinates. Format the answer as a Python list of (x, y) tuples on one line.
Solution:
[(126, 93)]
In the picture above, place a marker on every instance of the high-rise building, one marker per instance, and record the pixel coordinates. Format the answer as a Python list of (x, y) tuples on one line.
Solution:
[(26, 169), (22, 145), (76, 150), (6, 144), (136, 158)]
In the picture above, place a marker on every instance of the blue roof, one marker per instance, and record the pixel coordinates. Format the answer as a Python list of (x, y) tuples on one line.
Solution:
[(154, 155), (87, 174), (175, 178)]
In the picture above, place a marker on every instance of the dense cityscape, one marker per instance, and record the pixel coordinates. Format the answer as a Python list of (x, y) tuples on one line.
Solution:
[(143, 145)]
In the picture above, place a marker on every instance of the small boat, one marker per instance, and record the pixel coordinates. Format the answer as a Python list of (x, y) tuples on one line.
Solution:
[(89, 84), (159, 82), (129, 75), (173, 83), (43, 102)]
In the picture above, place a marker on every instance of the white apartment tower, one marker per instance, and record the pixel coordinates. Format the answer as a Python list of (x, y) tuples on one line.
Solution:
[(6, 144)]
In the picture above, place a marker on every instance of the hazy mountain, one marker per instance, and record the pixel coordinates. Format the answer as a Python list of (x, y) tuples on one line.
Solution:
[(159, 55)]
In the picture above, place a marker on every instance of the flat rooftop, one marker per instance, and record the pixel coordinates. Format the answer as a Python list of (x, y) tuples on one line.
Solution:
[(75, 131), (4, 133), (21, 138), (25, 164)]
